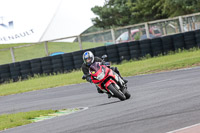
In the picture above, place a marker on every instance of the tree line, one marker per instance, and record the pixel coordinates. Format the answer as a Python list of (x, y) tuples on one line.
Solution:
[(116, 13)]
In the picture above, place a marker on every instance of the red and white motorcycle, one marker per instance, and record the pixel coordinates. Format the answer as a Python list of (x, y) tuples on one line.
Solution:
[(108, 80)]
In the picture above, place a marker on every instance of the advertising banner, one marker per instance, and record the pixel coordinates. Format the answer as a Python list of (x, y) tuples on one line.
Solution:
[(25, 21)]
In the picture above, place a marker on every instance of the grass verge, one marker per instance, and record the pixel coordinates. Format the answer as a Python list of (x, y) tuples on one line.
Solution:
[(181, 59), (38, 51), (22, 118)]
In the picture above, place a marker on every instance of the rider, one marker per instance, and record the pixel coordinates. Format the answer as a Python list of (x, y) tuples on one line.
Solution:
[(88, 59)]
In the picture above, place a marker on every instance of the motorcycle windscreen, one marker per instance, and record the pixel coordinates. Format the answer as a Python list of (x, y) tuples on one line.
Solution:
[(94, 67)]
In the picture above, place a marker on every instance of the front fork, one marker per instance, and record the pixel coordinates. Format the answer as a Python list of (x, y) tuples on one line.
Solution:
[(119, 79)]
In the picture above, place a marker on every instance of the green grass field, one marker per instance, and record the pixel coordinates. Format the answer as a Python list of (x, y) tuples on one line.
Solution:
[(22, 118), (37, 51)]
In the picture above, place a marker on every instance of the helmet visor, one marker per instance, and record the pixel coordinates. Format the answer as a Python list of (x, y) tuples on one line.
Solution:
[(88, 60)]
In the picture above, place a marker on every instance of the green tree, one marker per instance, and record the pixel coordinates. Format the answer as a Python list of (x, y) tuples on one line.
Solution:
[(112, 13), (147, 10), (181, 7), (126, 12)]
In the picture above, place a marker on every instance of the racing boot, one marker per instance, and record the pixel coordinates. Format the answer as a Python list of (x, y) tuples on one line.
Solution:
[(126, 81), (117, 71), (109, 95)]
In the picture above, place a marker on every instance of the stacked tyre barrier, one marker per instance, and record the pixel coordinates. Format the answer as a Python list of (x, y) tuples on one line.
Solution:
[(145, 47), (15, 71), (123, 51), (5, 74), (68, 62), (167, 43), (36, 66), (178, 41), (116, 54), (134, 50), (113, 54), (47, 66), (77, 58), (57, 64), (156, 46), (99, 51), (189, 39), (25, 69)]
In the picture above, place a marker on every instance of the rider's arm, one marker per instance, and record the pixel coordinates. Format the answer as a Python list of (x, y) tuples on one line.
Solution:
[(85, 70), (97, 59)]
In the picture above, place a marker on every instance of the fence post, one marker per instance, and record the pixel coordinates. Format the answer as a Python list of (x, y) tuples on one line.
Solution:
[(129, 34), (46, 48), (181, 23), (102, 38), (80, 43), (12, 54), (165, 28), (147, 30), (113, 35)]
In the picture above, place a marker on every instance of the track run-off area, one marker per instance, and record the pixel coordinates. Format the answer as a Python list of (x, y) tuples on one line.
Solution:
[(160, 103)]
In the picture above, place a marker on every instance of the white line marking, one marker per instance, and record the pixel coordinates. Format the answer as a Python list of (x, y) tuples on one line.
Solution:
[(184, 128)]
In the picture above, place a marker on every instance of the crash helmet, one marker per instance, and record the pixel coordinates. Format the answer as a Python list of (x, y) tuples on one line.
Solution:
[(88, 58)]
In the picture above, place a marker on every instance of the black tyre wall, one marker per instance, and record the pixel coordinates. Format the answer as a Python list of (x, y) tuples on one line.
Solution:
[(134, 47), (68, 62), (112, 53), (25, 69), (189, 39), (167, 42), (100, 51), (78, 59), (145, 47), (15, 71), (5, 73), (123, 51), (156, 46), (57, 64), (47, 66), (178, 41), (197, 37), (36, 66)]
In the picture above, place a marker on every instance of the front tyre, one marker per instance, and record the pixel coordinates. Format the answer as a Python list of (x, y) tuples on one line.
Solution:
[(127, 94), (117, 93)]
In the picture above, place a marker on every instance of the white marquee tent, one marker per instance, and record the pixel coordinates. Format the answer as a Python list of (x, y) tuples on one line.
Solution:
[(32, 21)]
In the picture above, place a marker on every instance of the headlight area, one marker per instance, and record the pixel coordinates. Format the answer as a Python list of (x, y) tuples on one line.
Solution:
[(101, 75)]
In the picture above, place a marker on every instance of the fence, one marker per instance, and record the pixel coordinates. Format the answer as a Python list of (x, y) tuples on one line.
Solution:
[(118, 35)]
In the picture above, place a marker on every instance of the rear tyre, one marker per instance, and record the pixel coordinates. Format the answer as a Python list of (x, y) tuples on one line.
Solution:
[(116, 93)]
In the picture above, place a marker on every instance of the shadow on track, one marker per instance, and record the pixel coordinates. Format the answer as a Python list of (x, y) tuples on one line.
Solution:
[(106, 103)]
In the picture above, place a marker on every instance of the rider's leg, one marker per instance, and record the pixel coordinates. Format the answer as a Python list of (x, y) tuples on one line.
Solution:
[(117, 71), (100, 91)]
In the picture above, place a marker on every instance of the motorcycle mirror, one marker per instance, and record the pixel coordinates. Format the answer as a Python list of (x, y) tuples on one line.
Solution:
[(104, 56)]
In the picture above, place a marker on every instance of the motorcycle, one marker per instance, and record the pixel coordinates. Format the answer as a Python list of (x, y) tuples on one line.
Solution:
[(108, 80)]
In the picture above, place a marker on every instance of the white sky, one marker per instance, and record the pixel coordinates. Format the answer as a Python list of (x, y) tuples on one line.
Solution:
[(72, 17)]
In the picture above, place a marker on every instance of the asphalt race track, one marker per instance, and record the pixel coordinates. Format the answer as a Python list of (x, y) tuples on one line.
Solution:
[(160, 103)]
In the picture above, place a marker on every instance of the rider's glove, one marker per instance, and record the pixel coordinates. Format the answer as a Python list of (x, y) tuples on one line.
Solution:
[(89, 79)]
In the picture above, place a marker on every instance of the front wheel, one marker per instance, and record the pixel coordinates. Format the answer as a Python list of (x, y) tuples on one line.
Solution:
[(117, 93), (127, 94)]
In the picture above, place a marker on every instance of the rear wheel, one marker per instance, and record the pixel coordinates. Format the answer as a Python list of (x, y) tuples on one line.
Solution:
[(117, 93)]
